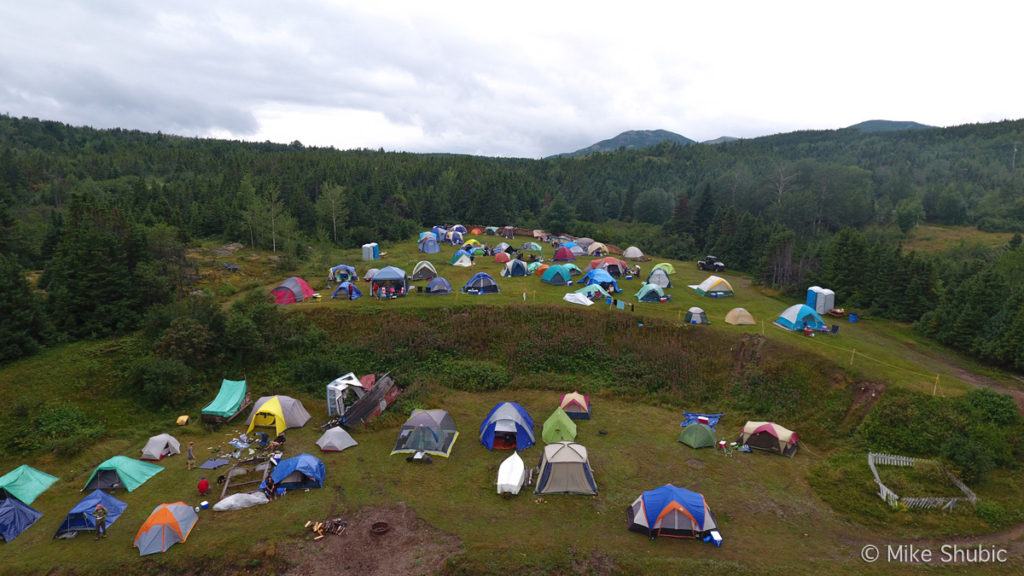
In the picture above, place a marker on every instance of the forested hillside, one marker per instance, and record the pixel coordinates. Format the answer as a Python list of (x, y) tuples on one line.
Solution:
[(827, 207)]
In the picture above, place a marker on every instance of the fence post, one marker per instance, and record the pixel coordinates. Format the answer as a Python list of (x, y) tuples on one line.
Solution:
[(853, 353), (935, 387)]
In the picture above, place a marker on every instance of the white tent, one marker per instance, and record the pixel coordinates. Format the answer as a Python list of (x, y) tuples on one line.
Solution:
[(369, 274), (632, 253), (161, 446), (511, 475), (575, 298), (335, 440), (463, 261)]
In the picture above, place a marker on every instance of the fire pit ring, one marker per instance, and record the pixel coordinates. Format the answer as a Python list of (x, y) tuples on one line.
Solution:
[(379, 528)]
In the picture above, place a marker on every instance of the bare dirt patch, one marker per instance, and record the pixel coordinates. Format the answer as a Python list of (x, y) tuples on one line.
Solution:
[(411, 547)]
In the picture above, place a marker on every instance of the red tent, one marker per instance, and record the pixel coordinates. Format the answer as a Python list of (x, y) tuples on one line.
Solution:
[(292, 290), (501, 257), (563, 254)]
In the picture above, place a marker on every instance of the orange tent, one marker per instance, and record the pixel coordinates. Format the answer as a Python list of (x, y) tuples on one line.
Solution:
[(540, 269), (165, 527)]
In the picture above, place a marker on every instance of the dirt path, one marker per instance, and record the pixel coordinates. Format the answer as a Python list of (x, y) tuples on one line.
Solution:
[(972, 378)]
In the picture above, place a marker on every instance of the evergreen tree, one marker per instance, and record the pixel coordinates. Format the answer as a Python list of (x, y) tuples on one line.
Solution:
[(23, 324)]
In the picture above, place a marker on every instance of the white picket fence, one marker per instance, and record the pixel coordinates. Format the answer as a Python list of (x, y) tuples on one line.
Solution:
[(916, 503)]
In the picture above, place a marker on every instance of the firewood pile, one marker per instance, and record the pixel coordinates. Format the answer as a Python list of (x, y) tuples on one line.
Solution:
[(334, 526)]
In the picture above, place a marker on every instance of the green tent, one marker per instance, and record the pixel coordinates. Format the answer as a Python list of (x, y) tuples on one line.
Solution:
[(121, 472), (26, 483), (558, 428), (592, 289), (228, 401), (698, 435), (668, 268)]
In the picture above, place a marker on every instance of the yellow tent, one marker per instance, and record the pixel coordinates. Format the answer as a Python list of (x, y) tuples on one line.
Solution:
[(593, 248), (279, 413), (472, 242)]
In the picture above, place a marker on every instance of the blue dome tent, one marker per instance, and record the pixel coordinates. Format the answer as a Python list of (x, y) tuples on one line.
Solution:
[(347, 290), (481, 283), (81, 518), (508, 426), (798, 316)]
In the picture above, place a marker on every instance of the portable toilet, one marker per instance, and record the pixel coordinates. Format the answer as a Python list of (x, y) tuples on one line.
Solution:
[(371, 251), (821, 300)]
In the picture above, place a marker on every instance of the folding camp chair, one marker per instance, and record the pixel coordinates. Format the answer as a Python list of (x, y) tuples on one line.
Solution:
[(834, 331)]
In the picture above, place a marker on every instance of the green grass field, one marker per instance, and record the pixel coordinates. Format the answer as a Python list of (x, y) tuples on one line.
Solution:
[(805, 515)]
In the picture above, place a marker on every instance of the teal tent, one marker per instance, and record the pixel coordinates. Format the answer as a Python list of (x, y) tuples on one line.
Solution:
[(229, 401), (121, 472), (26, 483)]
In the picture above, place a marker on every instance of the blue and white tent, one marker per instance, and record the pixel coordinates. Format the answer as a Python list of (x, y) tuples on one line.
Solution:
[(82, 517), (439, 233), (508, 426), (515, 268), (428, 244), (341, 273), (455, 238), (481, 283), (459, 228), (439, 286), (347, 291), (671, 511), (798, 316), (298, 472)]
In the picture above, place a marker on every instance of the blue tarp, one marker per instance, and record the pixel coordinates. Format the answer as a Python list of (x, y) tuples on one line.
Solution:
[(81, 518), (15, 516), (310, 467), (508, 414), (691, 418), (347, 290), (600, 277), (656, 500)]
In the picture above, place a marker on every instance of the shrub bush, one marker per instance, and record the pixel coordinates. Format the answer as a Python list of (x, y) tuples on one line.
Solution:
[(159, 382), (62, 428)]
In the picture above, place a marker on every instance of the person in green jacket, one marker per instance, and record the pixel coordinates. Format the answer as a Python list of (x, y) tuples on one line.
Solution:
[(100, 515)]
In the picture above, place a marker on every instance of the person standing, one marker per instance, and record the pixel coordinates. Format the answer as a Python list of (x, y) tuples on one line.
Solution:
[(203, 486), (190, 456), (100, 515)]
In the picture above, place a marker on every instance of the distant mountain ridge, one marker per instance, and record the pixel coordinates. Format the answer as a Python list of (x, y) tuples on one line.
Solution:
[(888, 126), (632, 139), (721, 140)]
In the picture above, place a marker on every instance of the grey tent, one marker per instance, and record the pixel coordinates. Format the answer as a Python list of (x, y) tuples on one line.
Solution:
[(430, 431), (335, 440), (659, 277), (565, 469), (424, 270), (696, 315), (160, 446)]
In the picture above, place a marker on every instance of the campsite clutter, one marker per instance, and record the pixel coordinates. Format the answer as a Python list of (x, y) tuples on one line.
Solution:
[(258, 465)]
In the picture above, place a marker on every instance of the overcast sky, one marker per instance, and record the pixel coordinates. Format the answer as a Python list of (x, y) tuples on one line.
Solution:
[(506, 78)]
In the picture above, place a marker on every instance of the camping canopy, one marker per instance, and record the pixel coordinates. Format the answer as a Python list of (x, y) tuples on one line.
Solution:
[(165, 527), (650, 293), (15, 516), (558, 275), (558, 428), (739, 317), (668, 268), (713, 287), (632, 253), (511, 475), (298, 472), (698, 436), (279, 413), (423, 270), (430, 431), (26, 483), (481, 283), (576, 405), (439, 286), (121, 472), (505, 421), (229, 399), (671, 511), (292, 290), (696, 315), (390, 274), (82, 517), (160, 446), (565, 469), (797, 316), (335, 440), (770, 437)]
